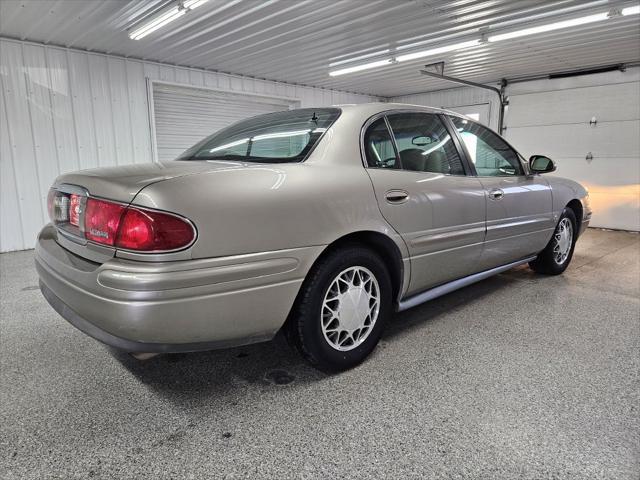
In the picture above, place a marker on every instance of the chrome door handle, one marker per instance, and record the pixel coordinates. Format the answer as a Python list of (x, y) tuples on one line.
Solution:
[(396, 196), (496, 194)]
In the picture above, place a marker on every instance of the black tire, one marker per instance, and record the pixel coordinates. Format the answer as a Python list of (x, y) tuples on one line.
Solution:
[(304, 325), (546, 262)]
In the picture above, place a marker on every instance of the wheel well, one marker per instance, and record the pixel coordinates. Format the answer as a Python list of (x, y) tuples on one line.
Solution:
[(576, 206), (381, 244)]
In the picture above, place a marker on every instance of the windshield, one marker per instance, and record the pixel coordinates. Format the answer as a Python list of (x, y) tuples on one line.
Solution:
[(272, 138)]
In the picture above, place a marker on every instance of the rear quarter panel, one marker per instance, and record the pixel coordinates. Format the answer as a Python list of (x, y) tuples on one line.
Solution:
[(270, 207)]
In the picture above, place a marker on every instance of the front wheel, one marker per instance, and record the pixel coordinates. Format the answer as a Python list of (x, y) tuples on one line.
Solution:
[(556, 256), (342, 308)]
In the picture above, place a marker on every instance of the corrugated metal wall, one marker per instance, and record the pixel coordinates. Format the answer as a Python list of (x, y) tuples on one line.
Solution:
[(64, 110)]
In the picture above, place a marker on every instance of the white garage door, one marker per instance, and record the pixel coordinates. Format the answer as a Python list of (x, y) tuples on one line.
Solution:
[(184, 115), (605, 157)]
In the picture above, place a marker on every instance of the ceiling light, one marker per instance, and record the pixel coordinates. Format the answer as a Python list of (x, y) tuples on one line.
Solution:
[(364, 66), (549, 27), (631, 10), (437, 51), (164, 18)]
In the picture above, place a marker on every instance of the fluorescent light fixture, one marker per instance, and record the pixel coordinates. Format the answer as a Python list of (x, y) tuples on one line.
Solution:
[(359, 68), (574, 22), (631, 10), (191, 4), (437, 51), (165, 18)]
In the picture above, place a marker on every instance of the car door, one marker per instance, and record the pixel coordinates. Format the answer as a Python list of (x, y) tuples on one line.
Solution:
[(421, 186), (520, 220)]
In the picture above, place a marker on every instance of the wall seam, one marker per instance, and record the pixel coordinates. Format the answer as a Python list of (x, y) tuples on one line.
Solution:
[(51, 94), (73, 110), (33, 137), (13, 161)]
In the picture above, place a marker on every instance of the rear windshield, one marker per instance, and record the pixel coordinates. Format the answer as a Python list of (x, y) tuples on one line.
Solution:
[(272, 138)]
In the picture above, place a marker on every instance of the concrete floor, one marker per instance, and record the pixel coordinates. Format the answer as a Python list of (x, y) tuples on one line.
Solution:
[(520, 376)]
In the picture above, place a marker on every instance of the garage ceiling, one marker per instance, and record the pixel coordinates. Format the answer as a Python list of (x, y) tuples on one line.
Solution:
[(295, 41)]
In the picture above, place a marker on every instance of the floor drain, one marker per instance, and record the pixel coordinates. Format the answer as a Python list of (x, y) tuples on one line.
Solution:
[(279, 377)]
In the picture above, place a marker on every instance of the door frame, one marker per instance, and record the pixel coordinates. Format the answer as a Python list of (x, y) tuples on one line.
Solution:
[(467, 157), (469, 169)]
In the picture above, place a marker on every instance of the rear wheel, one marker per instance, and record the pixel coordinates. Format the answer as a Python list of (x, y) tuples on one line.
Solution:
[(342, 308), (556, 256)]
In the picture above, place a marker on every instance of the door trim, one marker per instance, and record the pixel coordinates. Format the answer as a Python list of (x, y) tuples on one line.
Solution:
[(436, 292)]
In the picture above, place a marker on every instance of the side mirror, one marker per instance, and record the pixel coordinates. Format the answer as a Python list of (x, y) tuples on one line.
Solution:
[(541, 164)]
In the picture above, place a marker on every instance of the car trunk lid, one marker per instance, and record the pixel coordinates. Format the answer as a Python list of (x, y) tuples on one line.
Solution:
[(69, 193)]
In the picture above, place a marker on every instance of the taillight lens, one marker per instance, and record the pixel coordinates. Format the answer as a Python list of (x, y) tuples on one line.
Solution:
[(101, 221), (135, 228), (147, 230)]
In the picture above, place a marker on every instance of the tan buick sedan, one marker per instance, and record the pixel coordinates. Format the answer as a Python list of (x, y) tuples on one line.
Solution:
[(319, 222)]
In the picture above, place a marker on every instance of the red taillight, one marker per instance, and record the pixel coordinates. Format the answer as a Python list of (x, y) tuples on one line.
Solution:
[(135, 228), (148, 230), (101, 221)]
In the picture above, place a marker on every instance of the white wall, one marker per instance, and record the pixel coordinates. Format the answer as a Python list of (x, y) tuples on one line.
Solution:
[(64, 110)]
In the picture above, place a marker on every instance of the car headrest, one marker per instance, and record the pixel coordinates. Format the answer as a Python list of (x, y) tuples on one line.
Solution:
[(412, 159), (437, 162)]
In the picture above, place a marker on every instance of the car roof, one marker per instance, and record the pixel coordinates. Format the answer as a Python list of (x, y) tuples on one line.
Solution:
[(372, 108)]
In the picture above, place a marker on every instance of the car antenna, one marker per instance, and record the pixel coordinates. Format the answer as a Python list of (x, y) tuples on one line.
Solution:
[(314, 117)]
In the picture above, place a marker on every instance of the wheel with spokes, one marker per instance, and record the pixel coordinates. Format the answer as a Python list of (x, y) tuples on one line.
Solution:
[(556, 256), (341, 309)]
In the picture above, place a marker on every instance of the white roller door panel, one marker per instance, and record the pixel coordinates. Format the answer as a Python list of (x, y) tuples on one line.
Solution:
[(614, 102), (556, 124), (184, 116), (612, 139)]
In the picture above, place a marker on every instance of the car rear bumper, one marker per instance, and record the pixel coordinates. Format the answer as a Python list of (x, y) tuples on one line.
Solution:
[(173, 306)]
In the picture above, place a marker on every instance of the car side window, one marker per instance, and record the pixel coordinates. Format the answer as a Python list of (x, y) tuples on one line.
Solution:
[(378, 146), (424, 144), (490, 154)]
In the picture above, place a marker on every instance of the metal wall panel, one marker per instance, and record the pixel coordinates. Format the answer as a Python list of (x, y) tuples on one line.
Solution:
[(64, 110), (28, 184)]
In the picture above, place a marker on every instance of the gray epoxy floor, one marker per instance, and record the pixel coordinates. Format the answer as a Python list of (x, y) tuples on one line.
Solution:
[(520, 376)]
